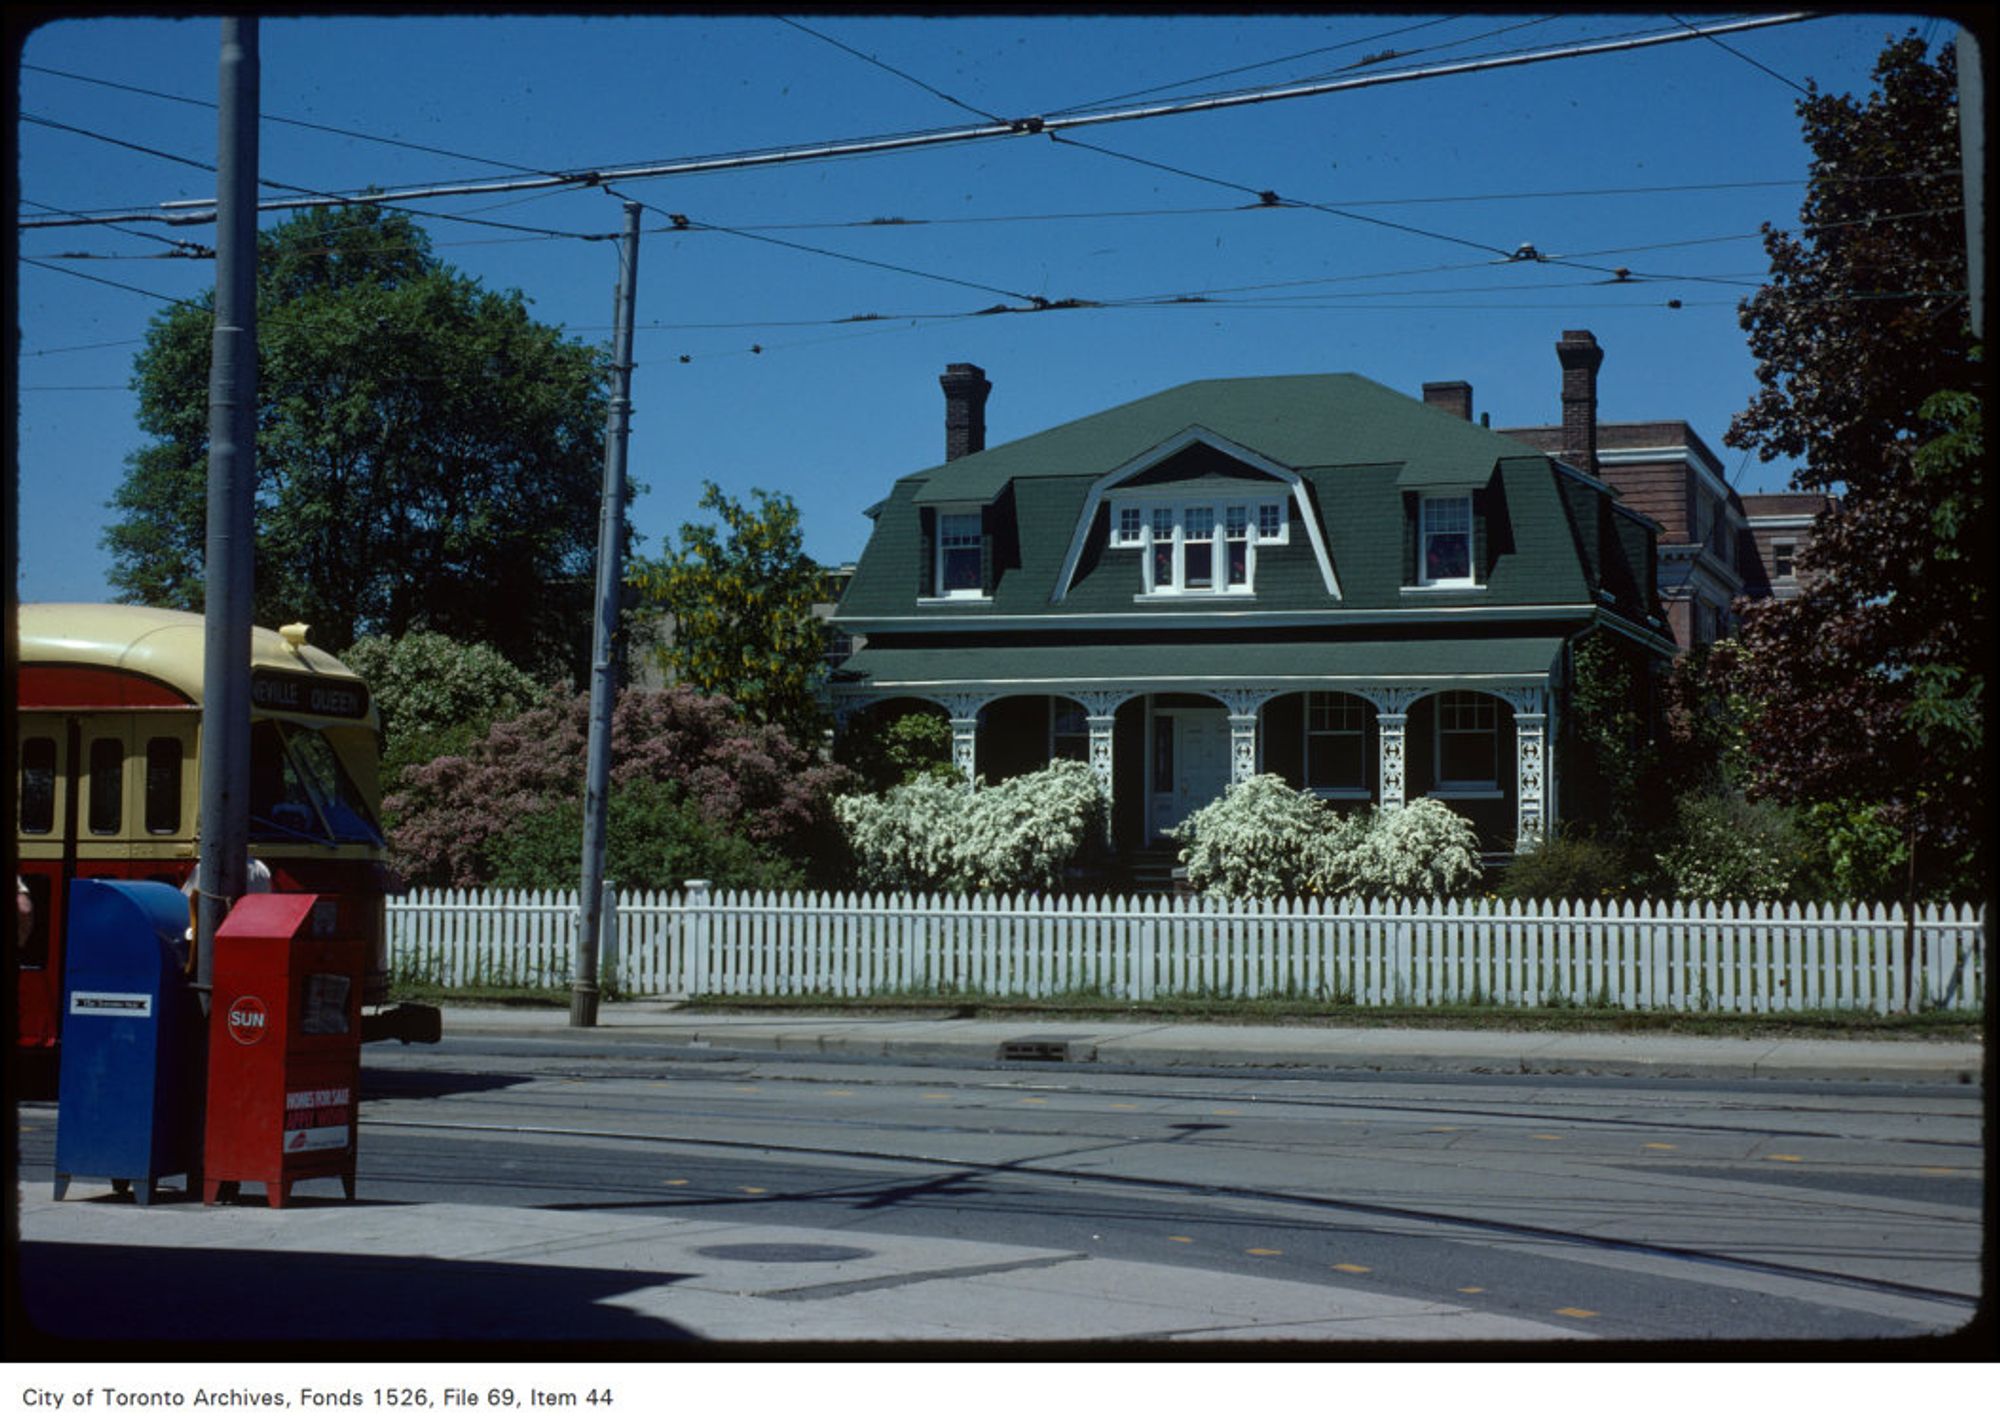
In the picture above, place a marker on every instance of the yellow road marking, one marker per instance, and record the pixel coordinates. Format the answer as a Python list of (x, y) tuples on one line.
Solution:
[(937, 1096), (746, 1089), (675, 1182), (1265, 1253), (1179, 1239), (1444, 1128), (1921, 1170), (1034, 1101), (1784, 1157), (840, 1093), (753, 1189), (1124, 1106), (1576, 1312), (1471, 1289), (1545, 1136), (1353, 1268), (1660, 1146)]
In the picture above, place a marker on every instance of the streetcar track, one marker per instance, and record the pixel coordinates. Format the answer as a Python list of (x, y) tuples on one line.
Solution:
[(1432, 1110), (1036, 1168)]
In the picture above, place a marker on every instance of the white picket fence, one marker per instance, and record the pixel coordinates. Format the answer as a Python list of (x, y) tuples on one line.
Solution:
[(1737, 958)]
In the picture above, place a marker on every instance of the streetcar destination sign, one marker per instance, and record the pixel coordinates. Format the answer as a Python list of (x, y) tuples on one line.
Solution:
[(281, 691)]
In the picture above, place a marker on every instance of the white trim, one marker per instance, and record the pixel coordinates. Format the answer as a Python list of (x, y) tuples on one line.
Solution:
[(961, 597), (1195, 683), (1709, 473), (1168, 620), (1790, 521), (1425, 502), (1152, 457), (1446, 587)]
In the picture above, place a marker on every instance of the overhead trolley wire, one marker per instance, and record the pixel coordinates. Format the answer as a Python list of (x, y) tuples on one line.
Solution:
[(202, 209)]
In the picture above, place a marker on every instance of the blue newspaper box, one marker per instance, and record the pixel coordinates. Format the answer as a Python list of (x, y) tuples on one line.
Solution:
[(129, 1105)]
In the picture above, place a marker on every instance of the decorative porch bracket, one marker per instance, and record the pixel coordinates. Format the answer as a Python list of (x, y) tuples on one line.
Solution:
[(1100, 717), (1392, 715)]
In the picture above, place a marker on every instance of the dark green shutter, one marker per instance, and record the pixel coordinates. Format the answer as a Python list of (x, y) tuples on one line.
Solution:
[(1412, 508), (926, 552), (1482, 568), (988, 571)]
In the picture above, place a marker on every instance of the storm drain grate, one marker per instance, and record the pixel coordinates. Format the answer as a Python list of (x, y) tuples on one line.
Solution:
[(1045, 1049)]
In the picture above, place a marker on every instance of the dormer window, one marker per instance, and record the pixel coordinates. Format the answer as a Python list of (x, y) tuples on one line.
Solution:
[(1197, 547), (958, 568), (1444, 549)]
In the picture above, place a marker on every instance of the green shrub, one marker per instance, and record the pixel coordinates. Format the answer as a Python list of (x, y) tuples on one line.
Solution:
[(655, 839), (1568, 867), (1724, 847)]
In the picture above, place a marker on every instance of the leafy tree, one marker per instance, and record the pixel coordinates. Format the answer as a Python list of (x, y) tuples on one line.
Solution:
[(436, 695), (902, 750), (452, 816), (655, 839), (428, 456), (741, 601), (1870, 685)]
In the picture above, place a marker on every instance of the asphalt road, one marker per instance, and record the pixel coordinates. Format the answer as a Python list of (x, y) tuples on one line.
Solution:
[(1614, 1208)]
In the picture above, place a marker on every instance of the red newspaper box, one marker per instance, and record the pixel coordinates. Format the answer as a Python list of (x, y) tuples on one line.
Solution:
[(284, 1045)]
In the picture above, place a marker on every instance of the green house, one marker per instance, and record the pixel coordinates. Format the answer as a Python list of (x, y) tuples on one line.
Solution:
[(1312, 575)]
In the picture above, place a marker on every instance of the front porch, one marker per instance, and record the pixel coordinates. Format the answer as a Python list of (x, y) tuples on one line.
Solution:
[(1165, 748)]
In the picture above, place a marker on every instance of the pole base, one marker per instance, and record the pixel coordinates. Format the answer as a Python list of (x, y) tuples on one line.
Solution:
[(583, 1006)]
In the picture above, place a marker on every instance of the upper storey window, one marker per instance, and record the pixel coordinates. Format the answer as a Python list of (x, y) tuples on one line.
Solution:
[(1202, 547), (1445, 541), (958, 570)]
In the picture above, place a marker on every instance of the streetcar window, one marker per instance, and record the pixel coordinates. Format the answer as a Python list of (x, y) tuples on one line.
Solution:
[(345, 809), (163, 786), (280, 805), (299, 790), (107, 786), (38, 786)]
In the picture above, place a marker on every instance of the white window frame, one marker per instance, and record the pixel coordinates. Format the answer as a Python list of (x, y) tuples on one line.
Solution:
[(1425, 508), (1787, 553), (944, 514), (1163, 523)]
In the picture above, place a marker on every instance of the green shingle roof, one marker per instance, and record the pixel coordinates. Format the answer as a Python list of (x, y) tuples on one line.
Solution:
[(1300, 420)]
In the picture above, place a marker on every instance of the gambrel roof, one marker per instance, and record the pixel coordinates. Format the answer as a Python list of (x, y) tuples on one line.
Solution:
[(1345, 454)]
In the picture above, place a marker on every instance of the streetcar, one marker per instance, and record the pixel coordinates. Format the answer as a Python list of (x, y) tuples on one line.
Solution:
[(108, 780)]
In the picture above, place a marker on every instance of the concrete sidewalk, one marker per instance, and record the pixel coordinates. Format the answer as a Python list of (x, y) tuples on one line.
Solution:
[(93, 1269), (1158, 1044)]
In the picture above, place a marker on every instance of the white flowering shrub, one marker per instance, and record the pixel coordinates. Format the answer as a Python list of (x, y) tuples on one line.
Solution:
[(1423, 849), (903, 838), (1262, 838), (1021, 834)]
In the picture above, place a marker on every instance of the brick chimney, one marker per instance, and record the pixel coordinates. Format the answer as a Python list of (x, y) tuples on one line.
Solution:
[(1454, 398), (965, 388), (1580, 357)]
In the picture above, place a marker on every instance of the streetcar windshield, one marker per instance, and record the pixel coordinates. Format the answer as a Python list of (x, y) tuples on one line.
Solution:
[(300, 791)]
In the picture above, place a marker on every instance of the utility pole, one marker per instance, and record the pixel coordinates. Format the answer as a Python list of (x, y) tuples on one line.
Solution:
[(220, 873), (603, 640)]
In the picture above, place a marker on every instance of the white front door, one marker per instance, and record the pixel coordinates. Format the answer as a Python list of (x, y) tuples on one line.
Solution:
[(1190, 766)]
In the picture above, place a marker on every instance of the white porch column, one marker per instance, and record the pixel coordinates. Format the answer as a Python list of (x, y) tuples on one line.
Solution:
[(1530, 755), (1101, 717), (964, 710), (1392, 714), (1243, 705)]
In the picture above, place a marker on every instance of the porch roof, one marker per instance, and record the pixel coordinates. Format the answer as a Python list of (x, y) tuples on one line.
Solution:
[(1498, 662)]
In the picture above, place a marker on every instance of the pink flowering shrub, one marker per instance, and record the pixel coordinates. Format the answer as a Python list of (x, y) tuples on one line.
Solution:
[(745, 779)]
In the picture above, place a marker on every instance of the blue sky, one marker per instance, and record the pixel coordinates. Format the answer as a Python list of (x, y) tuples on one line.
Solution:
[(1664, 161)]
